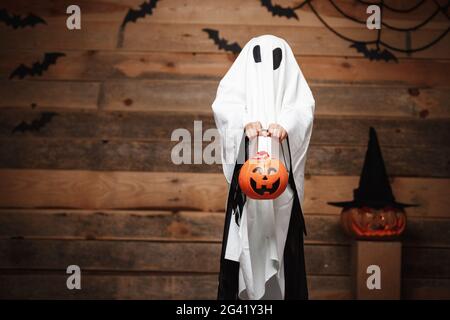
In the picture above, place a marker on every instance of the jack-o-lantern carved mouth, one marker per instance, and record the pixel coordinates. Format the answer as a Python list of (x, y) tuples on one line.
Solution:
[(264, 188)]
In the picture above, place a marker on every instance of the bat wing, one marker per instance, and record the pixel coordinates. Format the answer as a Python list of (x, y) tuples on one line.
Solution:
[(149, 6), (49, 59), (221, 42), (132, 15), (145, 8), (16, 21), (21, 72), (213, 34), (31, 20), (377, 54), (45, 118), (38, 67), (388, 56), (36, 124), (361, 48), (21, 127), (278, 10), (234, 47), (5, 17), (373, 54)]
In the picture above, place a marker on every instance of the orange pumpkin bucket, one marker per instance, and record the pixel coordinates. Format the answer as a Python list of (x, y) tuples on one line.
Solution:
[(263, 177)]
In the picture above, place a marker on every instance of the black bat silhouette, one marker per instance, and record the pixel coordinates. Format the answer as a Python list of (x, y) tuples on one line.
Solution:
[(38, 67), (146, 8), (221, 42), (278, 10), (373, 54), (16, 21), (36, 124)]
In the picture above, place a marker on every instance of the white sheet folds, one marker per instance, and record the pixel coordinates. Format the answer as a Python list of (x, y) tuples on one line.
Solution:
[(258, 88)]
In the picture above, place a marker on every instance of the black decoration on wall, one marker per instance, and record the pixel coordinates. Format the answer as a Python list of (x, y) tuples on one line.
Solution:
[(376, 53), (38, 67), (221, 42), (17, 21), (145, 9), (35, 125), (280, 11)]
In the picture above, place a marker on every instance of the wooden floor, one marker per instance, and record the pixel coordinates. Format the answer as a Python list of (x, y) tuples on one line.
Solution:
[(94, 185)]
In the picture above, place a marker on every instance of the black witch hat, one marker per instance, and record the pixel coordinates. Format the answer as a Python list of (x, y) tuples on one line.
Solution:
[(374, 189)]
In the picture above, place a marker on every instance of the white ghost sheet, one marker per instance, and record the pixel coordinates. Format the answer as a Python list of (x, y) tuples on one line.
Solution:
[(264, 84)]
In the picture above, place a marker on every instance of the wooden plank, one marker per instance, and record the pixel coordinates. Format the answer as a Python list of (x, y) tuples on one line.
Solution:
[(144, 95), (142, 225), (53, 286), (142, 126), (125, 190), (427, 232), (143, 286), (124, 155), (304, 40), (413, 72), (93, 36), (102, 65), (197, 96), (392, 101), (390, 131), (329, 287), (243, 12), (104, 35), (158, 95), (154, 126), (435, 289), (425, 262), (145, 225), (206, 192), (38, 285), (146, 256), (191, 257), (112, 225), (49, 94)]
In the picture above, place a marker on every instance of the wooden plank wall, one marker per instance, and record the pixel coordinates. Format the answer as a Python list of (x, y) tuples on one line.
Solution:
[(95, 185)]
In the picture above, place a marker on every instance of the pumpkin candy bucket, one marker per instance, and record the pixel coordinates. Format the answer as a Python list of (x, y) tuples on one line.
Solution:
[(263, 177)]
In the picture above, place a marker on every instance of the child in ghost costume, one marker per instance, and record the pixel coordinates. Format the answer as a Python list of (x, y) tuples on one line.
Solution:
[(262, 250)]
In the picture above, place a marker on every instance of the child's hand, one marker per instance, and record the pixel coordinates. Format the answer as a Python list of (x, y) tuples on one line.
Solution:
[(277, 131), (253, 129)]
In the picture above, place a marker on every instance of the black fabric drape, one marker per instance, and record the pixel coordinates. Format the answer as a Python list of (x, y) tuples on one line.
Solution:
[(229, 270)]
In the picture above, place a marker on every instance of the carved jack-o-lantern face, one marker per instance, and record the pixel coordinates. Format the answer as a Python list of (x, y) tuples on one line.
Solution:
[(369, 223), (262, 177)]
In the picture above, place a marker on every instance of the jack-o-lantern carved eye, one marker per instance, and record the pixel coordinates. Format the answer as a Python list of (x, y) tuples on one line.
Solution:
[(258, 169), (272, 171)]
